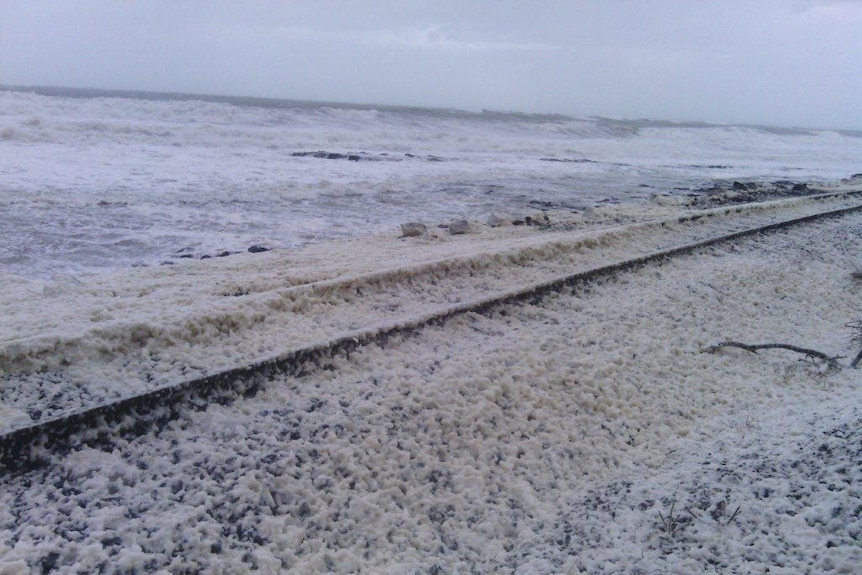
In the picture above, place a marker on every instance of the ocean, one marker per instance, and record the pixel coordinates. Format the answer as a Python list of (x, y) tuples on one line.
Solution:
[(102, 180)]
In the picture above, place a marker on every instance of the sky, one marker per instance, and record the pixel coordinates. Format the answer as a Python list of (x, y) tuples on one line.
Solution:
[(780, 62)]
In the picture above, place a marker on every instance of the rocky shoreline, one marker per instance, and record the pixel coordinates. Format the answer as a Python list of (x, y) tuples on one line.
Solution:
[(544, 214)]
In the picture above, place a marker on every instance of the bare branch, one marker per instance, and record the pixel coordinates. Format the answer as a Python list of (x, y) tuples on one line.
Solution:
[(735, 513), (754, 348)]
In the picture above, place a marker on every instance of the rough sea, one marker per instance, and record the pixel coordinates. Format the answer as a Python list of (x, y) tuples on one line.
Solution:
[(93, 180)]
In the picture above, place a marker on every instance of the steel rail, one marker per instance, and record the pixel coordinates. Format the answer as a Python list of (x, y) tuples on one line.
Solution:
[(33, 445)]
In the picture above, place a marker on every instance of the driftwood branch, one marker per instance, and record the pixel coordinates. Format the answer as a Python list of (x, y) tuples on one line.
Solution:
[(808, 353)]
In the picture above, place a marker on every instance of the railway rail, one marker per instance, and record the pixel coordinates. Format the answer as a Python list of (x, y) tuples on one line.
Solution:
[(34, 444)]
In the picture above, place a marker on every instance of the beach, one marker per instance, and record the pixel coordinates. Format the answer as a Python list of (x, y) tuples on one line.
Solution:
[(591, 429)]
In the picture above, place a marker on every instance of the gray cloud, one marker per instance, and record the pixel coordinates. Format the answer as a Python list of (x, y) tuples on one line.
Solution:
[(755, 61)]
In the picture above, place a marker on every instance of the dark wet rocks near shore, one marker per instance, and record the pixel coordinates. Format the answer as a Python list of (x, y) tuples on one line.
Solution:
[(719, 194), (569, 160), (188, 253), (495, 220), (362, 156), (738, 192)]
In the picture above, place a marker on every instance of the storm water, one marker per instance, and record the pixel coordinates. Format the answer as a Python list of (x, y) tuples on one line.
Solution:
[(93, 181)]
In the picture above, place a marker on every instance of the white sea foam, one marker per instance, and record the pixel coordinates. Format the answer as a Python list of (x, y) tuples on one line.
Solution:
[(554, 436), (108, 182), (83, 341)]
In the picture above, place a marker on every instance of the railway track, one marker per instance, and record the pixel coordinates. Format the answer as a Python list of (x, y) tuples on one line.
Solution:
[(34, 444)]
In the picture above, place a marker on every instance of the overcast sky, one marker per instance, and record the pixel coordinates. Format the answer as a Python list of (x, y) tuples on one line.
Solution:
[(781, 62)]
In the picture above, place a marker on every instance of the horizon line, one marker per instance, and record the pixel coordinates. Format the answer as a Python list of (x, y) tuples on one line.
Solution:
[(262, 101)]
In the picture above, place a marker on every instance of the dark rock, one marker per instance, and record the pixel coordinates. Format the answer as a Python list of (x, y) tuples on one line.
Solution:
[(176, 486), (321, 154), (543, 203), (538, 220), (352, 157), (111, 541), (745, 186), (49, 562), (568, 160), (799, 187), (257, 249)]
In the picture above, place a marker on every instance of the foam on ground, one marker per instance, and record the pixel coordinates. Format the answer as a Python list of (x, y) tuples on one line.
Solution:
[(80, 342), (536, 438)]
